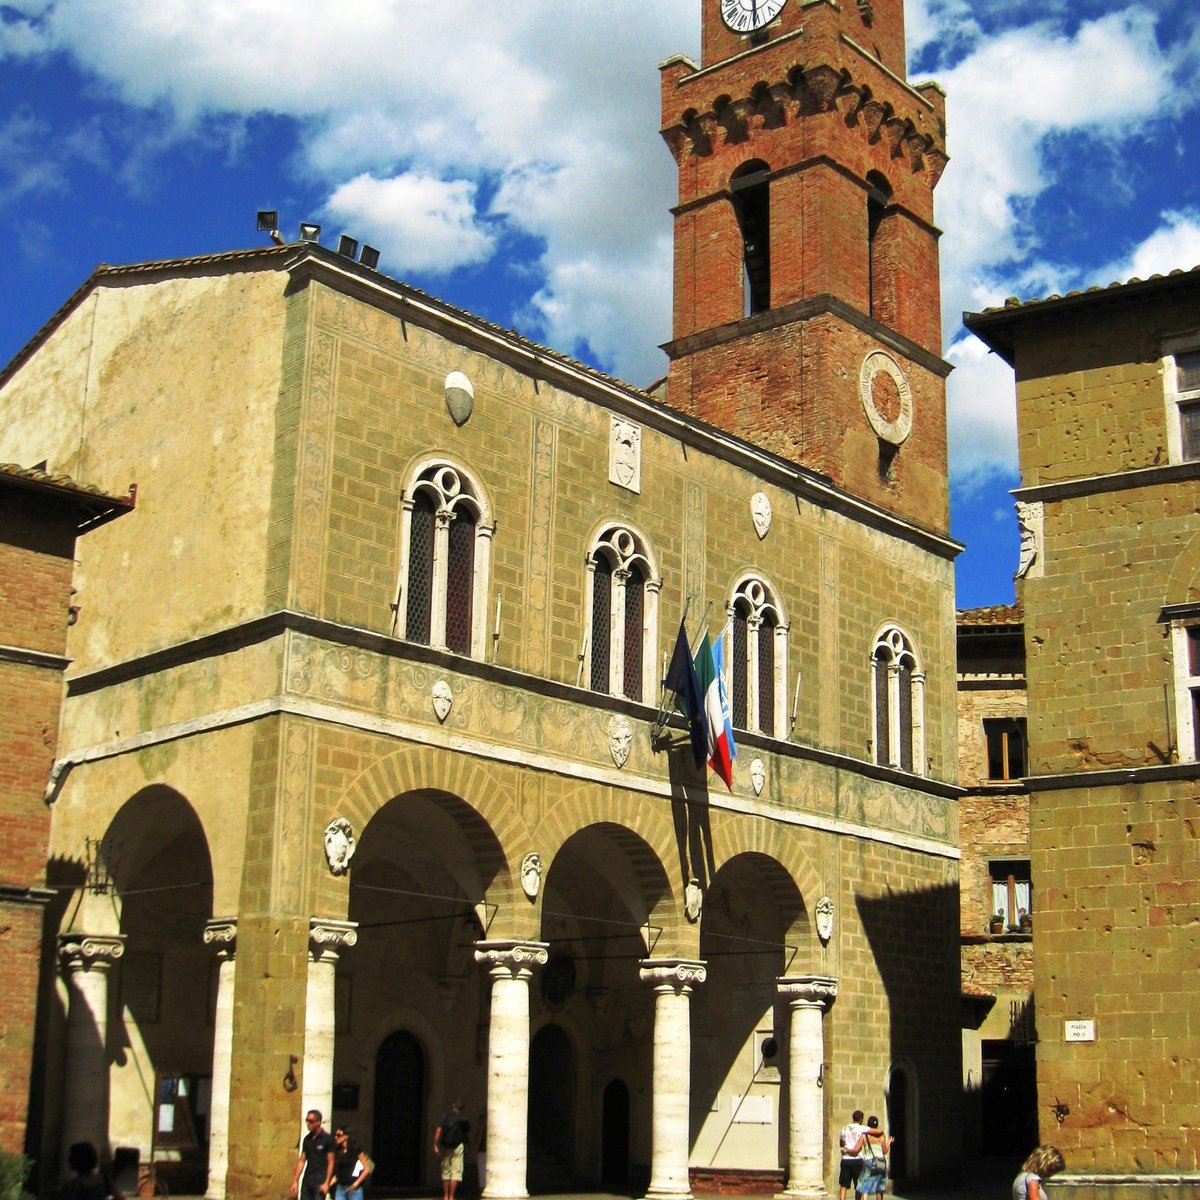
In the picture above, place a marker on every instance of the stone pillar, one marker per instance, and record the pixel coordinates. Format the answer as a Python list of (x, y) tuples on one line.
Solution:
[(222, 934), (808, 997), (510, 965), (670, 1127), (325, 939), (86, 960)]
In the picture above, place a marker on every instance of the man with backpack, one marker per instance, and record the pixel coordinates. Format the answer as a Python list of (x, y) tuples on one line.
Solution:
[(449, 1144)]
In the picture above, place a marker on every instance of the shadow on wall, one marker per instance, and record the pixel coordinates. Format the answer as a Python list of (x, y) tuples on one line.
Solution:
[(914, 940)]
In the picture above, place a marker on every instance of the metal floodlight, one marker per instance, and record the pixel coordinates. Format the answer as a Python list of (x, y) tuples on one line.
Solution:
[(369, 257), (268, 220), (347, 245), (309, 232)]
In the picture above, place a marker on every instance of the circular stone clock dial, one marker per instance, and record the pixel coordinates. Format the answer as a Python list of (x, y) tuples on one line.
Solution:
[(890, 408), (745, 16)]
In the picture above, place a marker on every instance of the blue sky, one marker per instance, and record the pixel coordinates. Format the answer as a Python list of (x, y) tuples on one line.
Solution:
[(506, 157)]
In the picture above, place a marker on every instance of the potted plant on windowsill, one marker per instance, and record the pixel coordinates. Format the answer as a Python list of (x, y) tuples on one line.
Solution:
[(1024, 922), (996, 924)]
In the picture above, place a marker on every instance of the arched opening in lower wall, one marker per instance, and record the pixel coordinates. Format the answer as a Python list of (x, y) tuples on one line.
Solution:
[(552, 1085), (399, 1111)]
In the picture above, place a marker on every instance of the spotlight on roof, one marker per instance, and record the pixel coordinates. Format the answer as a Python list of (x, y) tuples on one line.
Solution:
[(369, 257), (268, 222), (348, 245), (309, 232)]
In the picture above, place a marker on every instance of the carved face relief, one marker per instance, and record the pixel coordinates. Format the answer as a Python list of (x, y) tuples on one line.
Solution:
[(625, 455), (531, 874), (758, 775), (339, 845), (693, 900), (460, 397), (620, 738), (443, 698), (760, 512), (825, 918)]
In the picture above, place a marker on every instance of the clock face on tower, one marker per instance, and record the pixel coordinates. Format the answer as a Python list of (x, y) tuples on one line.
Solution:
[(745, 16)]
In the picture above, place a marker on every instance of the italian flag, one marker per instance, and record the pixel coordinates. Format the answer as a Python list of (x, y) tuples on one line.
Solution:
[(716, 709)]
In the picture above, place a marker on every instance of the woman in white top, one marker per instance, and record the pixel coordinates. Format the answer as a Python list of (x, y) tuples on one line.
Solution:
[(1041, 1164)]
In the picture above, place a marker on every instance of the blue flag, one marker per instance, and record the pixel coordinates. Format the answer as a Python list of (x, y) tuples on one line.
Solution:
[(681, 679)]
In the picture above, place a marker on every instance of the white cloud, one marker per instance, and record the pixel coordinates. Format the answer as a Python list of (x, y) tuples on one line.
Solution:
[(1174, 245), (427, 224), (981, 415)]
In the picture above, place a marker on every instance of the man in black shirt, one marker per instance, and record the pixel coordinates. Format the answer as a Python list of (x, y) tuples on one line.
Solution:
[(315, 1160), (449, 1144)]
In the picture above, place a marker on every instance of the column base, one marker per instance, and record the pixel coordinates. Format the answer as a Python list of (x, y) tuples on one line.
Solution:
[(488, 1194), (654, 1193), (802, 1193)]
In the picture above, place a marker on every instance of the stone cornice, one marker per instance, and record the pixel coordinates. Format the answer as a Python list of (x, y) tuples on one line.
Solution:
[(512, 957), (327, 937), (808, 989), (15, 893), (1112, 777), (33, 658), (804, 310), (80, 951), (1117, 481)]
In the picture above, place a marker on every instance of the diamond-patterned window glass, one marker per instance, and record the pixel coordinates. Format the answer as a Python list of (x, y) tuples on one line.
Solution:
[(883, 732), (460, 580), (420, 569), (1187, 367), (738, 702), (635, 610), (601, 623), (906, 715), (766, 674)]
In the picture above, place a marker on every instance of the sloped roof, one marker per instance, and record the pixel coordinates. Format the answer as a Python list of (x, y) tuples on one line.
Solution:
[(94, 506), (995, 326), (991, 616)]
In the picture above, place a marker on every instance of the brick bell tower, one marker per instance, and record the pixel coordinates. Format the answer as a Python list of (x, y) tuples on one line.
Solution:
[(806, 315)]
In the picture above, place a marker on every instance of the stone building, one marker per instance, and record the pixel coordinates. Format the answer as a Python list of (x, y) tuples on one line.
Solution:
[(41, 516), (363, 707), (1108, 396), (999, 1073)]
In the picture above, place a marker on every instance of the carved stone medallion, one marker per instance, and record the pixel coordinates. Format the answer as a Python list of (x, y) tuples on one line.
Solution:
[(625, 455), (758, 775), (693, 900), (1030, 521), (443, 699), (620, 738), (890, 415), (339, 845), (460, 397), (760, 512), (531, 874), (825, 918)]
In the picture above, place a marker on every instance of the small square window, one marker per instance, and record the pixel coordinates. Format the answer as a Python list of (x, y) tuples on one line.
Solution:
[(1005, 739), (1012, 897)]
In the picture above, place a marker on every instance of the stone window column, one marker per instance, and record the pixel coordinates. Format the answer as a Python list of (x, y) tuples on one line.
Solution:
[(808, 997), (86, 959), (440, 586), (670, 1137), (221, 934), (325, 940), (510, 966)]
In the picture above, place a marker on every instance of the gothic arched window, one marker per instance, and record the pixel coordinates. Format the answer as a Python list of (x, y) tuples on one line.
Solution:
[(757, 663), (899, 691), (622, 615), (752, 203), (446, 535)]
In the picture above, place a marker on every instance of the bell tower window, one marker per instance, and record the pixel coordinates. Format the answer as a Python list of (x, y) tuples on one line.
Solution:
[(752, 204), (880, 270)]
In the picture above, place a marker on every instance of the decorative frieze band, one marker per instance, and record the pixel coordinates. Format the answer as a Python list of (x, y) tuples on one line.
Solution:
[(80, 951), (678, 973), (817, 990)]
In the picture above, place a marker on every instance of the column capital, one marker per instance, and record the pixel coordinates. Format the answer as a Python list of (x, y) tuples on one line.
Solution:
[(326, 937), (512, 957), (222, 933), (819, 991), (677, 973), (81, 951)]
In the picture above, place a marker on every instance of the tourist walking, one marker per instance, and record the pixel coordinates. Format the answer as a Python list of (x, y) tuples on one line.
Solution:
[(351, 1165), (1040, 1165), (315, 1161), (449, 1144)]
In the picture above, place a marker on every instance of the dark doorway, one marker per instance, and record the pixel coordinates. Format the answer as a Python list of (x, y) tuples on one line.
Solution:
[(899, 1166), (614, 1149), (551, 1109), (1009, 1097), (399, 1129)]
